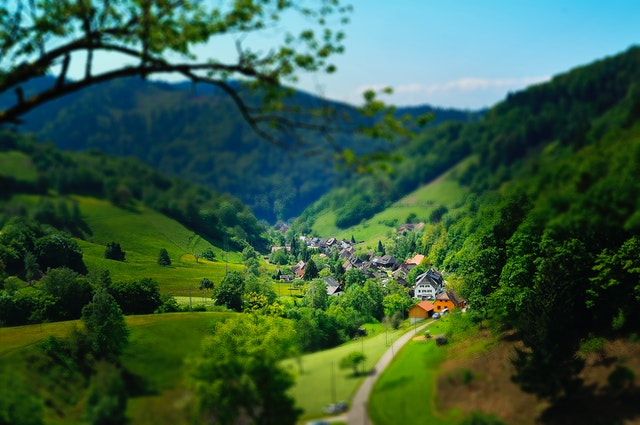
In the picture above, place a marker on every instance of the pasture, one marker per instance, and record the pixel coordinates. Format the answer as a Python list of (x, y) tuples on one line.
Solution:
[(141, 233)]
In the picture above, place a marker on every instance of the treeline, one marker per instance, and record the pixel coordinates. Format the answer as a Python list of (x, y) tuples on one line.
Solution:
[(123, 181)]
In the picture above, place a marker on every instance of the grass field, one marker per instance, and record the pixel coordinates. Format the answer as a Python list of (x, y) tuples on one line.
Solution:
[(142, 233)]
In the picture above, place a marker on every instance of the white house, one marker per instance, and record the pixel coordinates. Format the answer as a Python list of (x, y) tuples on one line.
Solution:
[(428, 285)]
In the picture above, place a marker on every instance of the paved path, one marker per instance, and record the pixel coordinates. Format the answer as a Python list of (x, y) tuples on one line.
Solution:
[(358, 414)]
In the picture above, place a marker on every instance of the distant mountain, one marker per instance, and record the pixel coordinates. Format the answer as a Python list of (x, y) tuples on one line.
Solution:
[(197, 133)]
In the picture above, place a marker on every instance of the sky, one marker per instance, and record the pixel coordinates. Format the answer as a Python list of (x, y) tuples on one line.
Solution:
[(470, 54), (465, 54)]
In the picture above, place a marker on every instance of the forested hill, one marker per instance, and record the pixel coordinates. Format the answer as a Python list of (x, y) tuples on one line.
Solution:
[(544, 237), (198, 134), (572, 111)]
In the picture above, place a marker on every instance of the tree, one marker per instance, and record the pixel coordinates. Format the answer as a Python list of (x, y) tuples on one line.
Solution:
[(229, 292), (137, 297), (58, 250), (205, 284), (310, 271), (238, 377), (153, 37), (69, 292), (279, 257), (113, 251), (380, 249), (107, 331), (353, 360), (163, 258), (315, 295), (18, 403)]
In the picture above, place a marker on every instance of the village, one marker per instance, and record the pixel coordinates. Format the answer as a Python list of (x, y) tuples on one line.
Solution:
[(429, 291)]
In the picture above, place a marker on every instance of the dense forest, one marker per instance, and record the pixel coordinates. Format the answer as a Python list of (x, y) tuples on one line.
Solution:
[(196, 133)]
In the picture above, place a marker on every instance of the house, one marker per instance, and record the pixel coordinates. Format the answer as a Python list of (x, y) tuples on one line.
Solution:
[(384, 261), (333, 286), (448, 300), (420, 311), (428, 285)]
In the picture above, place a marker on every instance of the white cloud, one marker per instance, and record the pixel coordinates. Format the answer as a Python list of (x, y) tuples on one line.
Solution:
[(468, 92)]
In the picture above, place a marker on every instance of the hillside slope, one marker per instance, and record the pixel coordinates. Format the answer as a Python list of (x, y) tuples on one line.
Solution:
[(198, 134)]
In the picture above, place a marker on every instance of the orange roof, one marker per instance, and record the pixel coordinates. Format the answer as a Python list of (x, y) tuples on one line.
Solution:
[(415, 260), (426, 305)]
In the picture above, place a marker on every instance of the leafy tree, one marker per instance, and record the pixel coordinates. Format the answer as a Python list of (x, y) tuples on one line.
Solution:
[(205, 284), (553, 322), (208, 254), (315, 294), (279, 257), (31, 267), (310, 271), (136, 297), (163, 258), (354, 277), (69, 292), (107, 331), (113, 251), (159, 37), (395, 303), (107, 399), (238, 376), (229, 292), (57, 250), (353, 360)]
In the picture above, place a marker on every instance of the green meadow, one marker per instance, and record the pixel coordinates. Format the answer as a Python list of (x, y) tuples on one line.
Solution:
[(142, 232)]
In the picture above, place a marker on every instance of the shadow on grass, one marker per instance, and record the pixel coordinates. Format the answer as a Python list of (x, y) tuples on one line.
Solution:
[(596, 408)]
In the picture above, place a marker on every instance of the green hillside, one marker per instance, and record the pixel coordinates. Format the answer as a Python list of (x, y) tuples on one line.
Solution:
[(196, 132), (141, 234)]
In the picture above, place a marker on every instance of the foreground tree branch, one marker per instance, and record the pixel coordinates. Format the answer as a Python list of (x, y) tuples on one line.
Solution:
[(151, 37)]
